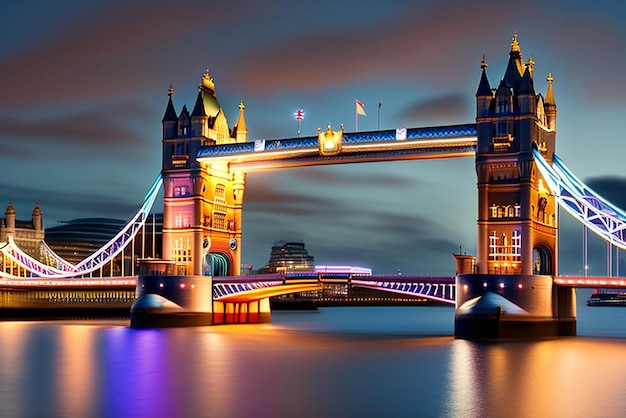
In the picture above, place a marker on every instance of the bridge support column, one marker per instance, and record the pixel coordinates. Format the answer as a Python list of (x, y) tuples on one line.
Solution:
[(172, 301), (495, 306), (252, 312)]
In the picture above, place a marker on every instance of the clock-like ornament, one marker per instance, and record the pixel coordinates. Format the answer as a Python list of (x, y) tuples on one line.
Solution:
[(232, 244)]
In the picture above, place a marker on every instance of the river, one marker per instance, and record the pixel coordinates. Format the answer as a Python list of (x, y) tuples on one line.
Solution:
[(338, 362)]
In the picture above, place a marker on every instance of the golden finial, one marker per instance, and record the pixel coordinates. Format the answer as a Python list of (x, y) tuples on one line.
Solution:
[(515, 43), (241, 105), (549, 78), (207, 81), (484, 64), (170, 91)]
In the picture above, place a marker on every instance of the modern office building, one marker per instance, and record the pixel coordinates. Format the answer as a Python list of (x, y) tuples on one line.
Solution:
[(288, 256), (77, 239)]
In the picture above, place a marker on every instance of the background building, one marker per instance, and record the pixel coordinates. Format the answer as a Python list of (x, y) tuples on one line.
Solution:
[(77, 239), (28, 235), (288, 256)]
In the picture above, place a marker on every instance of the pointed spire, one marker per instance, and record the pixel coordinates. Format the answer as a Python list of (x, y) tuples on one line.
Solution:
[(170, 112), (527, 85), (484, 89), (516, 67), (198, 109), (549, 95), (241, 122)]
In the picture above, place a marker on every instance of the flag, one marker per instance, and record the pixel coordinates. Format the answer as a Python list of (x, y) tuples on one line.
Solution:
[(259, 145), (299, 115), (360, 109)]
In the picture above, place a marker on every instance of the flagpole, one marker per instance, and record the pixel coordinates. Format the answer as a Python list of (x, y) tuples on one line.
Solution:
[(379, 105)]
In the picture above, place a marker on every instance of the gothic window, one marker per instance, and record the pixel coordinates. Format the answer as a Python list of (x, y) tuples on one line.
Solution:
[(502, 128), (494, 211), (493, 246), (516, 244), (219, 207), (182, 250), (504, 100)]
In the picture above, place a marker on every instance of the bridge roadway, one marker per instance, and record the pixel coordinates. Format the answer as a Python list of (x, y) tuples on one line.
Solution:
[(119, 292)]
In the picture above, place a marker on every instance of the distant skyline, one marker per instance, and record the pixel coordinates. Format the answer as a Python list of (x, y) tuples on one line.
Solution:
[(84, 89)]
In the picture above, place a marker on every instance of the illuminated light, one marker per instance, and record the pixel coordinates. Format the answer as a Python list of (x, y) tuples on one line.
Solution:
[(484, 284), (465, 287), (501, 285), (161, 285), (519, 285), (182, 285)]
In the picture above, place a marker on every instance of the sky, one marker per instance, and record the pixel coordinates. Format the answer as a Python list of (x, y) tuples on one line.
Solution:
[(83, 89)]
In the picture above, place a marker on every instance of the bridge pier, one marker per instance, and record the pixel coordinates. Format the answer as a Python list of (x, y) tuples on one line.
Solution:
[(253, 312), (172, 301), (495, 306)]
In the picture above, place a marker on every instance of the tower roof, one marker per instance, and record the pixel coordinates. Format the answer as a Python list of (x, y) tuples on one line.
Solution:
[(206, 102), (36, 210), (10, 209), (170, 112), (527, 86), (484, 89), (516, 68), (549, 95), (241, 122)]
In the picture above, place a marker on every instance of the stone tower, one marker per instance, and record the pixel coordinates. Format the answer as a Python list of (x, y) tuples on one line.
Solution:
[(512, 291), (202, 203), (517, 216)]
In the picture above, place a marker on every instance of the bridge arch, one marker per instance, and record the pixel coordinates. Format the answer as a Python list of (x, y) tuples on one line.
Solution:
[(219, 265), (542, 260)]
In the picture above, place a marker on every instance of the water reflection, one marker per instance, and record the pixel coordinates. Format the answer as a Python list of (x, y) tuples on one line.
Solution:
[(556, 377), (336, 363)]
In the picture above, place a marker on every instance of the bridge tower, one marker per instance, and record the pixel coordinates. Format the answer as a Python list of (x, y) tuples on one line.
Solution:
[(202, 203), (512, 292)]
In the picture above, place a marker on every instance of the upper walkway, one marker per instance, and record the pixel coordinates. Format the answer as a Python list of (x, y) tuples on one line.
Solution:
[(399, 144)]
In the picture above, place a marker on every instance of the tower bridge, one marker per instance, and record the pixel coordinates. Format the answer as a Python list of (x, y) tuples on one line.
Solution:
[(511, 287)]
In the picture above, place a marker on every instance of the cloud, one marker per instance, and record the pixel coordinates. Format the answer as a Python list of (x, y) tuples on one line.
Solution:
[(445, 107), (113, 49), (71, 205)]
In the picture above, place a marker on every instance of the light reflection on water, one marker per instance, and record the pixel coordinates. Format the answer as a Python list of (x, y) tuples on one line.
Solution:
[(367, 362)]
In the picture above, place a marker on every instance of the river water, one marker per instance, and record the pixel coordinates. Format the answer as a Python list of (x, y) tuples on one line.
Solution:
[(338, 362)]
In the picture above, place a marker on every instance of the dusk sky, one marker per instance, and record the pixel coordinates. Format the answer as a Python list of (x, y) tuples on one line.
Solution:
[(84, 88)]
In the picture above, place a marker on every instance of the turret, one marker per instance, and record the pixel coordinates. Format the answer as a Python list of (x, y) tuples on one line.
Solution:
[(550, 105), (484, 95), (241, 130), (37, 218), (170, 118), (10, 216), (206, 107)]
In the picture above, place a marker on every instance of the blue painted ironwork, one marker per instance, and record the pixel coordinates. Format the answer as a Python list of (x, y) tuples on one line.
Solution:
[(436, 132), (602, 217)]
